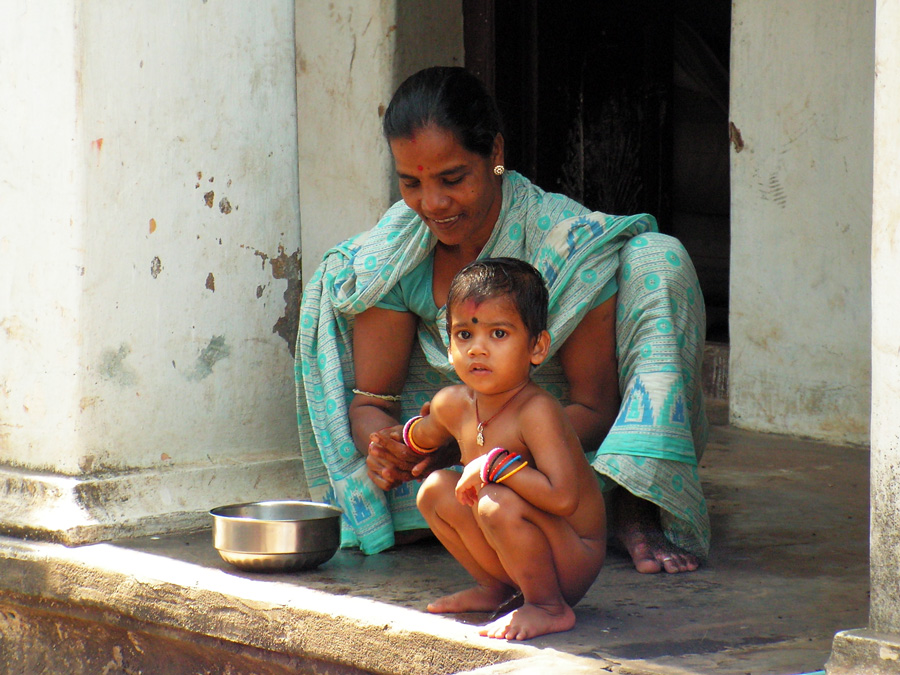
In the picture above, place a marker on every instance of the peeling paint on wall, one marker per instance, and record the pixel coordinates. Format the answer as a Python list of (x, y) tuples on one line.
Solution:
[(214, 352), (209, 198), (287, 267), (155, 267), (225, 205), (211, 282)]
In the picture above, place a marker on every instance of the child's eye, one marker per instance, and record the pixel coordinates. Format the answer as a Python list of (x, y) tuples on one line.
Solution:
[(463, 335), (499, 333)]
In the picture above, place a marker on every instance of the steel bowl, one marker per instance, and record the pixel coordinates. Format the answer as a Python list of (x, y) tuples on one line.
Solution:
[(276, 536)]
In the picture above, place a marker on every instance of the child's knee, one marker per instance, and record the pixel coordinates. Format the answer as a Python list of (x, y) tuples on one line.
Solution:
[(433, 489)]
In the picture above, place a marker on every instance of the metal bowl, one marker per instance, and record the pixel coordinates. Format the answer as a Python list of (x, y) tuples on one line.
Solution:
[(276, 536)]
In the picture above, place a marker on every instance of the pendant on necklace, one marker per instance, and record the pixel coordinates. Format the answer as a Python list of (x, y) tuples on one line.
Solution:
[(479, 437)]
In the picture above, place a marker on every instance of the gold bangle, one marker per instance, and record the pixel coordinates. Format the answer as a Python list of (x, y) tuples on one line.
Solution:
[(393, 398)]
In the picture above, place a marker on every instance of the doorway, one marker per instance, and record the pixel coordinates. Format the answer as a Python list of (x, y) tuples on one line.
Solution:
[(623, 106)]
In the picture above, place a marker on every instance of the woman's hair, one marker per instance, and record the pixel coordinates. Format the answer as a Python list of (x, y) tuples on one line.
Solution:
[(448, 98), (503, 277)]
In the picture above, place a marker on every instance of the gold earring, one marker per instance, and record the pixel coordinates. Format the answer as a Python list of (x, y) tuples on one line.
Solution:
[(499, 169)]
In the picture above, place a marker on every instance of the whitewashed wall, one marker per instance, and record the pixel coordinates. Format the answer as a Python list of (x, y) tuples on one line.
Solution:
[(802, 103), (150, 245), (351, 55)]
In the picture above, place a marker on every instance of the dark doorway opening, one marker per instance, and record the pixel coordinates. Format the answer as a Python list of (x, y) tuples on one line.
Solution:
[(622, 105)]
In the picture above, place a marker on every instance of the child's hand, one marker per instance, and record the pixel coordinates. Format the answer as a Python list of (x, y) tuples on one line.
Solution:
[(470, 482)]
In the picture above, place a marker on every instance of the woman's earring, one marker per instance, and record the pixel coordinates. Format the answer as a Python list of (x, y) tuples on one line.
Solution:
[(499, 170)]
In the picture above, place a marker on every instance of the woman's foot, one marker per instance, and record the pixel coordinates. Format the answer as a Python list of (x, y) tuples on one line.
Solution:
[(530, 621), (636, 527), (475, 599)]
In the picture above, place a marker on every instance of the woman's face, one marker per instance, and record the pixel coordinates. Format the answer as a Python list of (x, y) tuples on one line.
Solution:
[(454, 191)]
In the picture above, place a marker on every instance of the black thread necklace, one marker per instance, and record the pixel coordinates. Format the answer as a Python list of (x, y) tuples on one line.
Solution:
[(479, 436)]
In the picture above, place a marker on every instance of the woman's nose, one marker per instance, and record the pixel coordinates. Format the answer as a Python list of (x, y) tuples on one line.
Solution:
[(435, 200)]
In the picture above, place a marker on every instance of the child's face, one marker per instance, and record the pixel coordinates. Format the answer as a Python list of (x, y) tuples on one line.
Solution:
[(490, 347)]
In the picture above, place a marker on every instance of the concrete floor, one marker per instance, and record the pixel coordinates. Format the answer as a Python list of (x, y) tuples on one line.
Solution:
[(788, 569)]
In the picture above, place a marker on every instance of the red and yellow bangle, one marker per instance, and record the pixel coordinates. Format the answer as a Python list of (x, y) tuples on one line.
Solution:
[(407, 437), (511, 473)]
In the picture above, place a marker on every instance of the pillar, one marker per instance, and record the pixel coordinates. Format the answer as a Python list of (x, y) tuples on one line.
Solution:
[(150, 248), (875, 650)]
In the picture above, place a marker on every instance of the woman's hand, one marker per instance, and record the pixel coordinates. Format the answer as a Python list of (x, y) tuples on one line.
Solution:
[(391, 463)]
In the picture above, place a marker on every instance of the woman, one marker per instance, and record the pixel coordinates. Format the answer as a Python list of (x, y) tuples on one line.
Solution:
[(626, 323)]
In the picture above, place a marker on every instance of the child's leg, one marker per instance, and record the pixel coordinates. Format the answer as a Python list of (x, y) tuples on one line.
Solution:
[(551, 564), (455, 526)]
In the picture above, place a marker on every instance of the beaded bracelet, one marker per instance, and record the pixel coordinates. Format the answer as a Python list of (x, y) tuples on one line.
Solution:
[(514, 471), (407, 437), (489, 461)]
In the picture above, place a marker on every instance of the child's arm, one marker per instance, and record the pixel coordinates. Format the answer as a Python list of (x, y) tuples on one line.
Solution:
[(426, 434), (550, 481)]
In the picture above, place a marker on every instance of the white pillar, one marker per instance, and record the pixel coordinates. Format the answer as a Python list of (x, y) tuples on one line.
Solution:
[(149, 239), (876, 650), (351, 55)]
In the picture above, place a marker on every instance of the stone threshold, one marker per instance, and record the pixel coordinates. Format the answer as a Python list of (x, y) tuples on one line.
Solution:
[(121, 606)]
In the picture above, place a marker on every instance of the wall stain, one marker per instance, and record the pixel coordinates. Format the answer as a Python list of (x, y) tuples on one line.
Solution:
[(287, 267), (113, 367), (211, 282), (209, 198), (152, 225), (214, 352), (225, 205), (155, 267)]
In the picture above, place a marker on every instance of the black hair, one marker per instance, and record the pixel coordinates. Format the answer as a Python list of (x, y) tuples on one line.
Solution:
[(503, 277), (449, 98)]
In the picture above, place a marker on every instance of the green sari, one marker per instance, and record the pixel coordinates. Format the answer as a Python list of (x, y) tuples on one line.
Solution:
[(655, 443)]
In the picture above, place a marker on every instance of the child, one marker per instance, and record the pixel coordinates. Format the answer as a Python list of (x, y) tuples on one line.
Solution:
[(527, 515)]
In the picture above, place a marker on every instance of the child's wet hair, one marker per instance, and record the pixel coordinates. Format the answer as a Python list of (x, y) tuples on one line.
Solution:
[(503, 277)]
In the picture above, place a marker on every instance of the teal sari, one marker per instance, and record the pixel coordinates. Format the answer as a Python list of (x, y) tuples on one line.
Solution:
[(653, 447)]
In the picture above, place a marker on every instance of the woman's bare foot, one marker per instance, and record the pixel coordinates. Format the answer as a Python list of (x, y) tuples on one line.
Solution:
[(636, 527), (651, 552), (530, 621), (475, 599)]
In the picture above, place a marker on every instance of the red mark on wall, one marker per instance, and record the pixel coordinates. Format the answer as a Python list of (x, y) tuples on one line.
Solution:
[(97, 144)]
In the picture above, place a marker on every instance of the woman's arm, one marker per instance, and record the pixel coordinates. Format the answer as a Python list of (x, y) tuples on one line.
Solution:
[(382, 346), (589, 363)]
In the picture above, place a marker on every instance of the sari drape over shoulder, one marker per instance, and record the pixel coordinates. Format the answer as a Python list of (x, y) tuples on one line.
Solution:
[(661, 427)]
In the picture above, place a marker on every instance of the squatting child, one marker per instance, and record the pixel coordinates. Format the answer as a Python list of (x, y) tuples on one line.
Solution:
[(527, 514)]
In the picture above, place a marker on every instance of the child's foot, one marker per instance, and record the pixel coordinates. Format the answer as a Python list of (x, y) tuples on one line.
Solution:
[(475, 599), (530, 621)]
